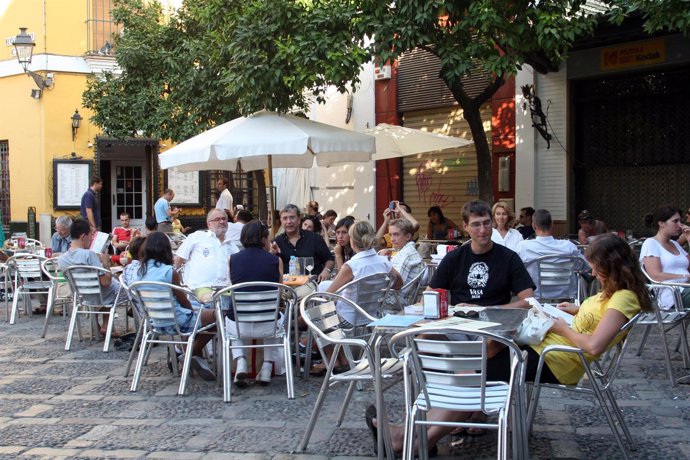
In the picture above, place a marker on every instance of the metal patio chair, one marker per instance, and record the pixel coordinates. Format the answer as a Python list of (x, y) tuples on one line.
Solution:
[(411, 291), (451, 375), (600, 373), (369, 293), (319, 313), (559, 277), (255, 302), (666, 320), (84, 281), (157, 301), (28, 280), (60, 293)]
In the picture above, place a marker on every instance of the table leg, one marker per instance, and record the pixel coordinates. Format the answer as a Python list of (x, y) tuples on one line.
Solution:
[(382, 428)]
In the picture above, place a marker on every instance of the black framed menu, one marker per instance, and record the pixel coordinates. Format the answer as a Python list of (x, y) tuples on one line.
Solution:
[(70, 181)]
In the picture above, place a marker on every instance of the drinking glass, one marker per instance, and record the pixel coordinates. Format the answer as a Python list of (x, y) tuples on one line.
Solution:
[(309, 265)]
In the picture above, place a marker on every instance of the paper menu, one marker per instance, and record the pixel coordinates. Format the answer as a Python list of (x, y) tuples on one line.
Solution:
[(100, 242), (558, 313), (463, 324), (551, 311)]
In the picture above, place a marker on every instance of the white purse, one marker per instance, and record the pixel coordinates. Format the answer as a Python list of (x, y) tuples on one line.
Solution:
[(534, 327)]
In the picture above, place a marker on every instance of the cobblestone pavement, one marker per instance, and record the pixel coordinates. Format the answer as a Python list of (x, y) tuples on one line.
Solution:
[(77, 404)]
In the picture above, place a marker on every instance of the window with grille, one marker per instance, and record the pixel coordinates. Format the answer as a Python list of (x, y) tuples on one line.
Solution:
[(100, 27), (240, 184), (5, 181)]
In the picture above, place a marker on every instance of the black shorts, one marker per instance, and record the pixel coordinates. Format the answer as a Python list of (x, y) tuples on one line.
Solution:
[(498, 367)]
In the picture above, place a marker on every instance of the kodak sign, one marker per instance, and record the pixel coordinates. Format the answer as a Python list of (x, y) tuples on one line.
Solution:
[(633, 55)]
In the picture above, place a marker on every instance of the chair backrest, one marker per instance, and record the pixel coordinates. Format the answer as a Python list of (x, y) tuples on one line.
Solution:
[(607, 366), (26, 266), (256, 302), (558, 276), (318, 310), (34, 242), (157, 302), (369, 292), (84, 280), (436, 361), (656, 288), (412, 291), (176, 239)]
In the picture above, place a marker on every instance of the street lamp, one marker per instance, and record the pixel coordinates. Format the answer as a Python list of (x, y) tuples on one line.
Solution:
[(76, 122), (24, 47)]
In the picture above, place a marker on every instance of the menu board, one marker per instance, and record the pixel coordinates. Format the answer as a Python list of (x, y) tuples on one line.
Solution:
[(186, 186), (70, 181)]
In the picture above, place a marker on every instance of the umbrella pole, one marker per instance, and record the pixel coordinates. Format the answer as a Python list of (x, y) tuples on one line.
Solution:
[(271, 202)]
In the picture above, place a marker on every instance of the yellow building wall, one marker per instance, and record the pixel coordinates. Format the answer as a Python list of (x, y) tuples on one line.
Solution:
[(39, 130)]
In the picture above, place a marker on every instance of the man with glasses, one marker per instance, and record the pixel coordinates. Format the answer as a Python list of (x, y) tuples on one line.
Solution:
[(480, 272), (296, 242), (205, 255), (61, 239)]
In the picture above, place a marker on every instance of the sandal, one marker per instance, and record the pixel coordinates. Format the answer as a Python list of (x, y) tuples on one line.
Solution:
[(369, 416), (477, 417)]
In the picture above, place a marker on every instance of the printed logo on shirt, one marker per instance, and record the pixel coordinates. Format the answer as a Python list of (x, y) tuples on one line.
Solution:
[(477, 278), (206, 252)]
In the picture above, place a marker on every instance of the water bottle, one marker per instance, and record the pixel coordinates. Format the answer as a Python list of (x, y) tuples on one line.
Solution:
[(292, 268)]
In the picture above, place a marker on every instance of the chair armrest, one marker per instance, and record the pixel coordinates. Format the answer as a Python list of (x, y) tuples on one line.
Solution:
[(563, 348)]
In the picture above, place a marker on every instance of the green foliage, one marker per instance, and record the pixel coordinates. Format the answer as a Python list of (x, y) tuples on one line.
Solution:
[(216, 59), (659, 15)]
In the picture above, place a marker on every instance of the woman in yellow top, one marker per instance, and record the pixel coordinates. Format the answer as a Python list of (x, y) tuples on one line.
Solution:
[(594, 328)]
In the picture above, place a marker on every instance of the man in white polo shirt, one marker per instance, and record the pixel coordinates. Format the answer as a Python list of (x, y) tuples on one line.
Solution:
[(205, 254)]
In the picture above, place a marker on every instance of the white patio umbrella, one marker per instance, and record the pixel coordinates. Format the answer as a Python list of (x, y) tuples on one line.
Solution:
[(398, 141), (265, 140)]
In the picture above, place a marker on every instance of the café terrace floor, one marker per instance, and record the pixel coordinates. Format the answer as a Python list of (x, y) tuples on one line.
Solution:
[(77, 404)]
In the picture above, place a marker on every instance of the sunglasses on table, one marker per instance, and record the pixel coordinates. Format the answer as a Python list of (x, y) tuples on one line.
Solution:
[(466, 314)]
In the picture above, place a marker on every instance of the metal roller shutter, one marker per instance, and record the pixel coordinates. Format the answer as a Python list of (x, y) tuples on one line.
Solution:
[(447, 179)]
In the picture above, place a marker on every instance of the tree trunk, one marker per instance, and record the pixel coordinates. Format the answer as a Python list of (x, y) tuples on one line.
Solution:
[(471, 112), (481, 144)]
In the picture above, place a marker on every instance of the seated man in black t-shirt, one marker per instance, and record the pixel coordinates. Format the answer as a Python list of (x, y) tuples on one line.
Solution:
[(478, 273), (481, 272), (300, 243)]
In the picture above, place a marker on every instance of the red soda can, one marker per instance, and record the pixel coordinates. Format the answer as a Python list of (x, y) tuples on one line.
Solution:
[(21, 242), (49, 252)]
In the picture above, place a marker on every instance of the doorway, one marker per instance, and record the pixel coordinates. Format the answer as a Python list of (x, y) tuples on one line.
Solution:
[(128, 192)]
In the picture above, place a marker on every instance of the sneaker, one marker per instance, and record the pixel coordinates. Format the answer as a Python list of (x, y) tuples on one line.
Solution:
[(264, 377), (241, 373), (201, 367)]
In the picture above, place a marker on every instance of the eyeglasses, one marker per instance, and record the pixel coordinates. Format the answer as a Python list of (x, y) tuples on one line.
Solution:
[(466, 314), (219, 219), (484, 223)]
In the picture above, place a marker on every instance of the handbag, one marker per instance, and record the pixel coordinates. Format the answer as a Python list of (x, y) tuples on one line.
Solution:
[(533, 328)]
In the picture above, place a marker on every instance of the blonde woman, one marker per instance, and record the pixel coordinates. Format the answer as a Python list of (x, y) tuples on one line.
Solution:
[(364, 262), (503, 233)]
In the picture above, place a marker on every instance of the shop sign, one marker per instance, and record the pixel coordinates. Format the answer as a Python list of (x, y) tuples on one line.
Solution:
[(633, 55)]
